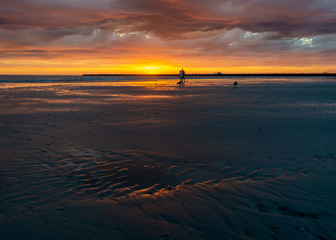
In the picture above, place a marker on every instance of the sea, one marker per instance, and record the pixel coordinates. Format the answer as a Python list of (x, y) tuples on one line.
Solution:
[(194, 80)]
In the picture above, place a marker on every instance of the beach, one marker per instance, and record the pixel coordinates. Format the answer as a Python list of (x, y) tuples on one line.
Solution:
[(146, 159)]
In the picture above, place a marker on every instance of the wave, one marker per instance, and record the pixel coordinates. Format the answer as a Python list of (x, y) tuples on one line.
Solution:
[(135, 78)]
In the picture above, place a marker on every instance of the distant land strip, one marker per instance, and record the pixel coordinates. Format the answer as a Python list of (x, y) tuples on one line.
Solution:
[(223, 75)]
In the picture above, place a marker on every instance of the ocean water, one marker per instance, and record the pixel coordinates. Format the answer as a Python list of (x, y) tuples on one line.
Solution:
[(157, 82)]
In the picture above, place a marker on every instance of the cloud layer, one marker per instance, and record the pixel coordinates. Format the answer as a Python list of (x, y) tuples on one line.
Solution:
[(246, 31)]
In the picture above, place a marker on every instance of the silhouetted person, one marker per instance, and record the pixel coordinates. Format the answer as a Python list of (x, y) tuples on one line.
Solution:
[(183, 75)]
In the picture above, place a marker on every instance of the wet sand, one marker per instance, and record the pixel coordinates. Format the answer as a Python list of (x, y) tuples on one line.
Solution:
[(150, 160)]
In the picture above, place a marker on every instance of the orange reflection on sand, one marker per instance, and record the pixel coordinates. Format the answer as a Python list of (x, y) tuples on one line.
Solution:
[(75, 96), (135, 83), (113, 96)]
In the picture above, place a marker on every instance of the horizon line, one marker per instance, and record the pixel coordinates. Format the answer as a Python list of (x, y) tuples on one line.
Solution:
[(188, 74), (212, 74)]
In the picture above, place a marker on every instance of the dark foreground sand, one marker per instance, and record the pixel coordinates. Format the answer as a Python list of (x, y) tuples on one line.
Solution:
[(155, 161)]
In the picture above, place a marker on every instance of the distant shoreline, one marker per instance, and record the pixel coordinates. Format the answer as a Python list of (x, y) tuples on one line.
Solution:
[(225, 75)]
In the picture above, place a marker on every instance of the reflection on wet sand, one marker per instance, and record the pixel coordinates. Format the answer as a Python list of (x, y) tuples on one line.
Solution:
[(161, 83), (148, 160)]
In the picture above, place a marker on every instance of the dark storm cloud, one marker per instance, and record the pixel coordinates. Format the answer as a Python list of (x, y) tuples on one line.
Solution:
[(172, 18), (198, 24), (4, 21), (165, 17), (162, 25)]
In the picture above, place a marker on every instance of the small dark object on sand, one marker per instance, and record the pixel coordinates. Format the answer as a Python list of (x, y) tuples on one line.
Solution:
[(164, 237), (235, 83)]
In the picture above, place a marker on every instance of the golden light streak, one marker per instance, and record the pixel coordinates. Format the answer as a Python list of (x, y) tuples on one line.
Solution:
[(87, 66)]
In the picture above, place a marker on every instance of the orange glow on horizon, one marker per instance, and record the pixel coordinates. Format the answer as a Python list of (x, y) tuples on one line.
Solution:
[(79, 67), (150, 70)]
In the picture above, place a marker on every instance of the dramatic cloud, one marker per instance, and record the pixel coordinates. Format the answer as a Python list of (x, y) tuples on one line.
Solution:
[(166, 30)]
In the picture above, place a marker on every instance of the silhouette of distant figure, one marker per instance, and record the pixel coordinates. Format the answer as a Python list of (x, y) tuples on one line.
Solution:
[(181, 78), (235, 84), (183, 75)]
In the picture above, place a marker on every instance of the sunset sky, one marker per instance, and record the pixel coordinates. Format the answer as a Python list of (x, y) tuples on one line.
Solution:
[(161, 36)]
